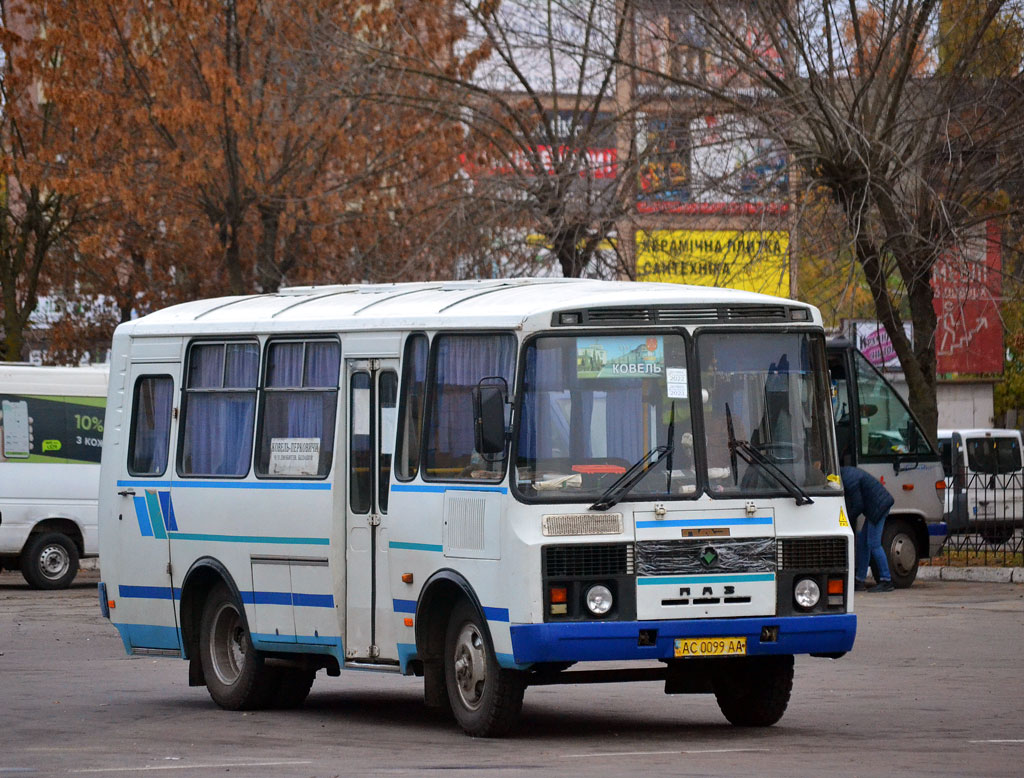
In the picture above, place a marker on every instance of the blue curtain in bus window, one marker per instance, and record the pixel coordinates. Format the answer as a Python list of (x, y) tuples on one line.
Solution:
[(461, 362), (308, 375), (221, 409), (624, 410), (545, 431), (151, 425)]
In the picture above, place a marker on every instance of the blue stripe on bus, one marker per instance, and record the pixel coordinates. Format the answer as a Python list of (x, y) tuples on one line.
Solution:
[(167, 508), (271, 598), (415, 546), (250, 539), (445, 488), (703, 579), (149, 636), (148, 592), (313, 600), (938, 528), (142, 514), (745, 522), (491, 614), (323, 486), (496, 614), (155, 516)]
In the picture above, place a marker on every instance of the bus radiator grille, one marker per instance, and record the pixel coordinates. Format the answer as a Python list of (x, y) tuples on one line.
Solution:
[(588, 560), (705, 555), (811, 553)]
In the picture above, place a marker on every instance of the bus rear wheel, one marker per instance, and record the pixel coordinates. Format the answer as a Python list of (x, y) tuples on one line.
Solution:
[(485, 698), (50, 561), (236, 676), (753, 691)]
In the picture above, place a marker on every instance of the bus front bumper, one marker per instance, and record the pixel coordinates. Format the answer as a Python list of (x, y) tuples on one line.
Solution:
[(583, 641)]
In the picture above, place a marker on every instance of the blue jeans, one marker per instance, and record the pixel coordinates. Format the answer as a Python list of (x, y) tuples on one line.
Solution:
[(869, 548)]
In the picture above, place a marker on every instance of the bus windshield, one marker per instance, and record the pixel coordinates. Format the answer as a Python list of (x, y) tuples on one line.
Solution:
[(765, 407), (594, 406)]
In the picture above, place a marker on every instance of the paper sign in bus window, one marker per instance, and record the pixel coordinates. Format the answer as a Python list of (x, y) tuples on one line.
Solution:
[(623, 356), (294, 456), (15, 429)]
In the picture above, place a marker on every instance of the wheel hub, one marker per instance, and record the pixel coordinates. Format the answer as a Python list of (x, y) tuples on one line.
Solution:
[(227, 649), (470, 663), (54, 562)]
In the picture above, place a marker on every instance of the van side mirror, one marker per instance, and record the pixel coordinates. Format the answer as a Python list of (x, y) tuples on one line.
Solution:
[(489, 417)]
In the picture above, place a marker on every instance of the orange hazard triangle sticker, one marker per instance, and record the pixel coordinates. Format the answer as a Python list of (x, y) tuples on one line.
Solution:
[(843, 522)]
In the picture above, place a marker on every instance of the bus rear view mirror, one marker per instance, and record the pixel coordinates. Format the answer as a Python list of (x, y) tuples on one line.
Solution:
[(489, 418)]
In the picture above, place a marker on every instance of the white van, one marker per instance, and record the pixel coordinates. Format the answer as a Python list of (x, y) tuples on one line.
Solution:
[(984, 477), (51, 435)]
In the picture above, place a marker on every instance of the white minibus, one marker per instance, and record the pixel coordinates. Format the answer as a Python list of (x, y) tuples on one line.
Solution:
[(51, 435), (488, 484), (985, 477)]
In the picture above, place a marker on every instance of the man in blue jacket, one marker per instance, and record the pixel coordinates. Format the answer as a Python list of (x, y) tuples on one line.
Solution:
[(865, 495)]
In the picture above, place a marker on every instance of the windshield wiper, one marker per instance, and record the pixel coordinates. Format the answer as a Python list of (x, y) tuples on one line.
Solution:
[(630, 478), (755, 458)]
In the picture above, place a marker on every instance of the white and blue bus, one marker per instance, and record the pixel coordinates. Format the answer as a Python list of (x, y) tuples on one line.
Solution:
[(483, 483)]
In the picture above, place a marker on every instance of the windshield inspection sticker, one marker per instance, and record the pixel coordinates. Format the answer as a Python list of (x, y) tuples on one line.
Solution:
[(675, 383), (294, 456)]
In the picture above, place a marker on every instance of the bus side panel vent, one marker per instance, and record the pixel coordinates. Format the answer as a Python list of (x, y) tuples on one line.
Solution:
[(812, 553), (471, 526)]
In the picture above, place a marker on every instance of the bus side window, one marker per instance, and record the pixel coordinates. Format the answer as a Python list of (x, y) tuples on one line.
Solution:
[(460, 362), (297, 410), (151, 425), (410, 421), (219, 409)]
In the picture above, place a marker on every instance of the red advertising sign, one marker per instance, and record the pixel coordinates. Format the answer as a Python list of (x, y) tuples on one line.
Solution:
[(968, 286)]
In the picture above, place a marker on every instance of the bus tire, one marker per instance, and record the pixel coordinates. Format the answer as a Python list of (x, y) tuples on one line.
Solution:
[(49, 561), (485, 698), (754, 691), (236, 676), (900, 552), (291, 687)]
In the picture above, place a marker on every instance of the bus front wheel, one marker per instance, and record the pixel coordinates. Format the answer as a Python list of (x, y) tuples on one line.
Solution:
[(485, 698), (236, 676), (754, 691)]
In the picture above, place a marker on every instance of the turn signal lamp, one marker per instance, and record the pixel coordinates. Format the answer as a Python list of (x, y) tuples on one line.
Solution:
[(835, 586), (408, 622), (940, 490), (406, 577), (559, 594)]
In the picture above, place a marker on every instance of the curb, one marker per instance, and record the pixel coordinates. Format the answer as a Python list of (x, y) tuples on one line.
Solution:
[(983, 574)]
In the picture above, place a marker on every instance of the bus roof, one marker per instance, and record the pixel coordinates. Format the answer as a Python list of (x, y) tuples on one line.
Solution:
[(497, 303)]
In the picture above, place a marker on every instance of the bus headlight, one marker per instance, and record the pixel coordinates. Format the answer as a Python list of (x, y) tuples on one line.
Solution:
[(806, 593), (599, 599)]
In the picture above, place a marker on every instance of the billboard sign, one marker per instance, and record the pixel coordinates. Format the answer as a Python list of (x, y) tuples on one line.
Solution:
[(751, 260), (968, 286)]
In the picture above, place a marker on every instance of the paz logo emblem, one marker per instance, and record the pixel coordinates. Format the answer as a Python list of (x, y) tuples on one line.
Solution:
[(708, 557)]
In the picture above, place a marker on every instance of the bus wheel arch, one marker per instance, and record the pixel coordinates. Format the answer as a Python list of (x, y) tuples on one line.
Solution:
[(200, 580), (438, 598)]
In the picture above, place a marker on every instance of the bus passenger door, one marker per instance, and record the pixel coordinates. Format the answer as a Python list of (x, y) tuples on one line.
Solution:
[(145, 596), (372, 392)]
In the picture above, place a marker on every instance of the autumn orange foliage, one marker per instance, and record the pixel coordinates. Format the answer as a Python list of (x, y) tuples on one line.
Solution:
[(232, 146)]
